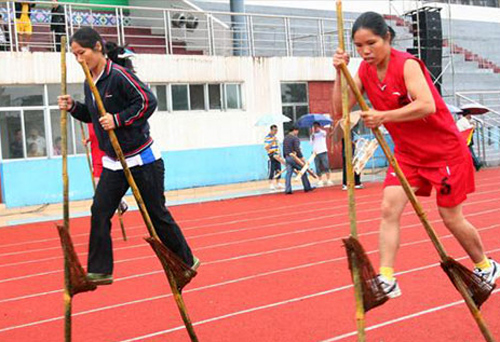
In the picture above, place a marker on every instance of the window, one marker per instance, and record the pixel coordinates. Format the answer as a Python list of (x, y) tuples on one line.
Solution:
[(35, 130), (295, 103), (12, 136), (34, 126), (161, 95), (214, 96), (197, 97), (75, 90), (21, 96), (180, 97), (233, 96), (55, 121)]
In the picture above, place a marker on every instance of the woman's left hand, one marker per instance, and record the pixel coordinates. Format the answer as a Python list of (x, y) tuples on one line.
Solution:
[(107, 122), (372, 118)]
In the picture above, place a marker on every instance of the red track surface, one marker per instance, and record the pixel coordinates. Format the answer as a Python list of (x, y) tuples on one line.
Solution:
[(273, 270)]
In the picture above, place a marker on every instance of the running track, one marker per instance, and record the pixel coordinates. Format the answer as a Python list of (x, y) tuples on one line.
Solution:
[(273, 269)]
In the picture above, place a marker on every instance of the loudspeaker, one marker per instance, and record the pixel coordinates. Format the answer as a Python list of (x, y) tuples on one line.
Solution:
[(431, 57), (432, 60), (429, 28), (428, 20)]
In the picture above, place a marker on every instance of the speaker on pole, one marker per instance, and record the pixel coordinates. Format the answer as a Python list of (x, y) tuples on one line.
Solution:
[(428, 30)]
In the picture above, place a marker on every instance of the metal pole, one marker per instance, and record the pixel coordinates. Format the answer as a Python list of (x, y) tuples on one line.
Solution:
[(238, 26)]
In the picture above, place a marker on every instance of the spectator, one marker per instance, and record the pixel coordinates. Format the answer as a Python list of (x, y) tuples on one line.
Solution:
[(318, 141), (4, 34), (291, 144), (57, 23), (354, 116), (58, 146), (34, 151), (466, 126), (16, 147), (23, 23), (38, 140), (273, 151)]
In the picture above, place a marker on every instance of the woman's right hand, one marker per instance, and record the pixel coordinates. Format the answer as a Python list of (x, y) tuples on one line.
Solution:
[(65, 102), (340, 57)]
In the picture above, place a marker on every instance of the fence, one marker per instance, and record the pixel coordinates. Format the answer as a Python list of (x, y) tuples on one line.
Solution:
[(178, 31)]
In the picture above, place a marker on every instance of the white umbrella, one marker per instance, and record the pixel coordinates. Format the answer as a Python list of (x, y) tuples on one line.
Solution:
[(454, 109), (474, 109), (270, 119)]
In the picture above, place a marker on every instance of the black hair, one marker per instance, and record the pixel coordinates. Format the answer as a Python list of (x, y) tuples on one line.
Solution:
[(373, 22), (87, 37), (392, 33), (273, 126), (316, 123), (114, 51), (294, 128)]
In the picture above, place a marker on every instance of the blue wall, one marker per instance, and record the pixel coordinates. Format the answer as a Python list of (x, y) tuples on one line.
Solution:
[(32, 182)]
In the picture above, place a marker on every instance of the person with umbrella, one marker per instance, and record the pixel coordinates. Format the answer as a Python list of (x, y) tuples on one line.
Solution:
[(291, 145), (273, 152), (321, 162)]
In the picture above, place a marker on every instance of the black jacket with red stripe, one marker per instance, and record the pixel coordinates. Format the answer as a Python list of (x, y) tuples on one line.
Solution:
[(130, 102)]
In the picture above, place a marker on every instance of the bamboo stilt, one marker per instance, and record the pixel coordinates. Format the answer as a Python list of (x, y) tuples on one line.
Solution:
[(420, 212), (68, 298), (142, 207), (94, 185), (358, 292)]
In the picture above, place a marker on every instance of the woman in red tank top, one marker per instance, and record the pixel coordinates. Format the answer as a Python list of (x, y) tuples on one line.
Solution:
[(427, 144)]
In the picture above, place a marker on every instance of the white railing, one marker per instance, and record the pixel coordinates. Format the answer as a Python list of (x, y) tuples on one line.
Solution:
[(183, 31)]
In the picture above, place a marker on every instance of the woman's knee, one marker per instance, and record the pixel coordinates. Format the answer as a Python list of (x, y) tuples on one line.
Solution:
[(390, 211), (451, 217)]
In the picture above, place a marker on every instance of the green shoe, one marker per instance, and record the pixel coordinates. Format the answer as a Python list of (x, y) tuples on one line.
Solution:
[(100, 278)]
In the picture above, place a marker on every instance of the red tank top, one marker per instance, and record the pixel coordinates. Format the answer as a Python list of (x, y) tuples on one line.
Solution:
[(433, 141), (97, 153)]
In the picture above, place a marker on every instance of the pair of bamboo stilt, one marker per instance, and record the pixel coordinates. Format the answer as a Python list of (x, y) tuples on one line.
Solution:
[(450, 266), (168, 259)]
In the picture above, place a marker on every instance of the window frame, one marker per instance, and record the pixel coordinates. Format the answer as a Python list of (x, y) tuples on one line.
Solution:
[(46, 109)]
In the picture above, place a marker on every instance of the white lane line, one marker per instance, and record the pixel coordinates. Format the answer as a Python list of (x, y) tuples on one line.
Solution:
[(293, 300), (402, 318), (240, 242), (314, 218), (239, 214), (406, 213), (233, 281)]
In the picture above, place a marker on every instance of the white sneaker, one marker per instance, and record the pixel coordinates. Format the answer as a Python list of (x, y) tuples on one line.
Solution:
[(390, 287), (491, 274), (272, 187), (280, 186), (320, 184), (360, 186), (344, 187), (329, 183)]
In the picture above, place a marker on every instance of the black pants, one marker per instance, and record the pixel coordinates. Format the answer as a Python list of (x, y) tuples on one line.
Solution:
[(58, 34), (357, 177), (274, 166), (111, 188)]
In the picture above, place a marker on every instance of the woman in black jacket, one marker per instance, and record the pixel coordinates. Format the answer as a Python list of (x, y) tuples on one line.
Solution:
[(129, 104)]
